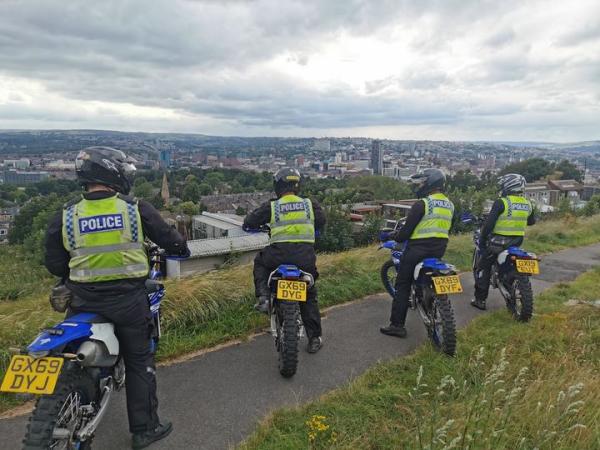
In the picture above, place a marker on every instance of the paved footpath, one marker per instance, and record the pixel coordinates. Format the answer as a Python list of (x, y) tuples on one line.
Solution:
[(217, 399)]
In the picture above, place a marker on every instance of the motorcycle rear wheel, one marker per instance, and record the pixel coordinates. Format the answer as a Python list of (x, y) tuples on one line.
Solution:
[(388, 277), (442, 330), (288, 337), (61, 410), (520, 304)]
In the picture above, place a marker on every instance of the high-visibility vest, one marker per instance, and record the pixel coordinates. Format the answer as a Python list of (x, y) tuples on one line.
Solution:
[(513, 220), (292, 220), (104, 239), (437, 220)]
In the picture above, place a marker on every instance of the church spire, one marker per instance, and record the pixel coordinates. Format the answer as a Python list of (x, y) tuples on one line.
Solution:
[(164, 190)]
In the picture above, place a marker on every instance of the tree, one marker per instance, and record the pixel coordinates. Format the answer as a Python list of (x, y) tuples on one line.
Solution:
[(369, 232), (569, 171), (205, 189), (143, 190), (532, 169), (188, 208), (337, 235), (592, 206), (213, 179), (25, 223), (191, 192)]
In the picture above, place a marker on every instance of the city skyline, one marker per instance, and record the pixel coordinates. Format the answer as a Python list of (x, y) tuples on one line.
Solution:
[(457, 71)]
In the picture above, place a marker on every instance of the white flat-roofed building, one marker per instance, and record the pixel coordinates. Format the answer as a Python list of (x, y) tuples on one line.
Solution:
[(216, 225), (211, 254)]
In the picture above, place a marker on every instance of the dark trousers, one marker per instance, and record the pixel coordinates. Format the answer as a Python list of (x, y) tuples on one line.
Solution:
[(486, 261), (301, 255), (133, 327), (405, 277)]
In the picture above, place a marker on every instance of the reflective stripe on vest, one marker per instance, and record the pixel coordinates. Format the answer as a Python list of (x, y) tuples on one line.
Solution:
[(437, 220), (104, 240), (513, 220), (292, 220)]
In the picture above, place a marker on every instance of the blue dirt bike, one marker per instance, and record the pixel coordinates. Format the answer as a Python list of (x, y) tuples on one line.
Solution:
[(75, 367), (289, 286), (511, 270), (433, 281)]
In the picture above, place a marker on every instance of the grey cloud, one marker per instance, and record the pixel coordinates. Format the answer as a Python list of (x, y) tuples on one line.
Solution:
[(197, 58), (501, 38), (586, 32)]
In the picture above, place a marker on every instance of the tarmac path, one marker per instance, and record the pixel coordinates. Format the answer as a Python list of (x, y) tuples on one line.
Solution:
[(216, 400)]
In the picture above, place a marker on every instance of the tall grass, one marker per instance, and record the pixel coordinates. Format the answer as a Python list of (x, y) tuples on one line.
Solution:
[(215, 307), (20, 278), (512, 385)]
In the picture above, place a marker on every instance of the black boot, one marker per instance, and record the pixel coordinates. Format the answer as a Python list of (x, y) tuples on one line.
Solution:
[(143, 440), (263, 304), (479, 304), (314, 344), (394, 330)]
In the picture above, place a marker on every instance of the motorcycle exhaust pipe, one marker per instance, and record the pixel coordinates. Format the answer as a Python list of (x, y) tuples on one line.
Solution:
[(87, 353)]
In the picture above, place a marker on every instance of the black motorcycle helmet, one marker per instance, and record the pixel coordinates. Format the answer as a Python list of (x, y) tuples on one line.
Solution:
[(511, 183), (286, 180), (424, 183), (106, 166)]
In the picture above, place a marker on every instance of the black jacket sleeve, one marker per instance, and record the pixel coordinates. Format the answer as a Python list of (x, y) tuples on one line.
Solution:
[(531, 220), (57, 258), (159, 231), (415, 215), (490, 223), (320, 219), (259, 217)]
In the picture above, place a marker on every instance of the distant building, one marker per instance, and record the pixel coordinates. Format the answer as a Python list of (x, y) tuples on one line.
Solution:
[(541, 194), (164, 160), (323, 145), (213, 226), (570, 189), (229, 203), (7, 216), (21, 164), (19, 177), (377, 157), (589, 191)]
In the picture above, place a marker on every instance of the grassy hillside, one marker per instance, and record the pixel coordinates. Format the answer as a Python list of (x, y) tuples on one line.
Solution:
[(215, 307), (513, 385)]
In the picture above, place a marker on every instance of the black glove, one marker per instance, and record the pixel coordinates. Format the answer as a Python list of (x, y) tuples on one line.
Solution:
[(185, 252)]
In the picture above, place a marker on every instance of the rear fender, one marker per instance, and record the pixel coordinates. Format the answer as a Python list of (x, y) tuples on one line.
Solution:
[(73, 330), (434, 265)]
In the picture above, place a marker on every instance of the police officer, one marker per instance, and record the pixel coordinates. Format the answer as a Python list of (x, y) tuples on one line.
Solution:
[(293, 221), (503, 228), (96, 246), (426, 233)]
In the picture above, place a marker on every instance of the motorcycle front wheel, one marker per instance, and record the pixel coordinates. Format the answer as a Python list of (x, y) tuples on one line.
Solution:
[(58, 417), (288, 337)]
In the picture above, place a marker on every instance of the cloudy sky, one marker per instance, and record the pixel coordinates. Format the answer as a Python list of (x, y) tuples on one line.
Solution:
[(405, 69)]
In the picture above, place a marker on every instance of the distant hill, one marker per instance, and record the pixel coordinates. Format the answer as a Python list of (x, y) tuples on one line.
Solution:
[(36, 142)]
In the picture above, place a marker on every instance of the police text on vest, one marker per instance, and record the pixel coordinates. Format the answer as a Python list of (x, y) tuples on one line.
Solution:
[(95, 224)]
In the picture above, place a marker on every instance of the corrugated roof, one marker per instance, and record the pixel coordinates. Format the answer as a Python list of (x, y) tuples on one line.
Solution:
[(215, 222), (211, 247)]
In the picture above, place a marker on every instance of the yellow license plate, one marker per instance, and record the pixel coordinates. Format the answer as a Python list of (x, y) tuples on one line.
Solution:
[(528, 266), (291, 291), (32, 376), (447, 285)]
